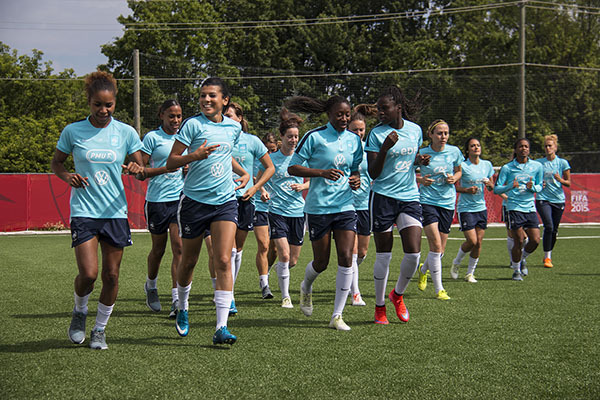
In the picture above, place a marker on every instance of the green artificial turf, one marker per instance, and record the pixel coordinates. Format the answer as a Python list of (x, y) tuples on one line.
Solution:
[(539, 338)]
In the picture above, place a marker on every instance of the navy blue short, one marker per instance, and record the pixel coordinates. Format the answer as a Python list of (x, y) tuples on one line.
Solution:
[(525, 220), (291, 228), (207, 233), (194, 218), (114, 231), (472, 220), (261, 218), (385, 210), (363, 222), (442, 216), (320, 225), (160, 215), (505, 216), (245, 215)]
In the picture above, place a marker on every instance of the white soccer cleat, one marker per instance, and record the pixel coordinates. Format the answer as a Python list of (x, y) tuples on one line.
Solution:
[(338, 323), (357, 300), (287, 303), (454, 270), (470, 278), (306, 304)]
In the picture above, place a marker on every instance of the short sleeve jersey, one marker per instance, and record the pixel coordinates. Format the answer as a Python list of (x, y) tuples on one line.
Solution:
[(361, 195), (397, 179), (284, 201), (520, 198), (98, 154), (210, 181), (553, 190), (442, 163), (325, 148), (247, 153), (165, 187), (474, 175), (261, 206)]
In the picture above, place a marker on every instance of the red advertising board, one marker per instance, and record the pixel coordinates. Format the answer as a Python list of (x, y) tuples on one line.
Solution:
[(33, 201)]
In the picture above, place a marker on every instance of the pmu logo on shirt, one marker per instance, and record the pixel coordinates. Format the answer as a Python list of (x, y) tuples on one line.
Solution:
[(101, 156), (224, 148)]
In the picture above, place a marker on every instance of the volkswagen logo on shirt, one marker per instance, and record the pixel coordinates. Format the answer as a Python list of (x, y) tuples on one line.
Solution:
[(339, 160), (217, 170), (101, 178)]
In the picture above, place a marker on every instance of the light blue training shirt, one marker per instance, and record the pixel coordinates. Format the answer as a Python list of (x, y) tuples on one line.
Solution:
[(441, 165), (325, 148), (552, 190), (474, 175), (361, 195), (247, 153), (397, 179), (165, 187), (210, 181), (284, 201), (98, 154), (520, 198)]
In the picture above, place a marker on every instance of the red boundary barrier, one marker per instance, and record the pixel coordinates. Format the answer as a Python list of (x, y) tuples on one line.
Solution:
[(34, 201)]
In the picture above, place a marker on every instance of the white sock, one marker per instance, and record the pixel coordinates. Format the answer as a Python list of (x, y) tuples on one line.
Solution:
[(309, 277), (515, 265), (233, 254), (263, 280), (354, 288), (459, 256), (472, 265), (223, 300), (183, 292), (381, 270), (408, 266), (151, 283), (343, 280), (103, 315), (283, 276), (81, 303), (525, 255), (174, 294), (435, 267), (238, 264), (510, 242), (548, 254)]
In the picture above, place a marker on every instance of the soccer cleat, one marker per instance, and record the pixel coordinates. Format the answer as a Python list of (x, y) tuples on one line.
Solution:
[(398, 302), (306, 304), (517, 276), (287, 302), (454, 270), (266, 293), (357, 300), (380, 315), (548, 263), (152, 300), (422, 284), (232, 308), (182, 323), (77, 327), (98, 339), (524, 270), (223, 336), (470, 278), (442, 295), (173, 312), (338, 323)]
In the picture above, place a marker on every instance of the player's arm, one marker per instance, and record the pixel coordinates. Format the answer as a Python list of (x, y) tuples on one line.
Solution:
[(58, 167)]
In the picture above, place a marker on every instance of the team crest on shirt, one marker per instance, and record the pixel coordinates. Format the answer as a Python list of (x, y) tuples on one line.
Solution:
[(243, 147), (101, 178), (115, 140), (217, 170)]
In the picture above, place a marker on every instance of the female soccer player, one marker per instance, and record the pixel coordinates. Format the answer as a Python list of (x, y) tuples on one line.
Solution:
[(550, 202), (361, 204), (99, 145), (392, 150), (247, 152), (520, 179), (330, 156), (438, 196), (286, 205), (472, 211), (208, 200)]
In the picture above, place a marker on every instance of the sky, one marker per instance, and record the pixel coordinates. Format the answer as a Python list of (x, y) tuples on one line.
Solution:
[(68, 32)]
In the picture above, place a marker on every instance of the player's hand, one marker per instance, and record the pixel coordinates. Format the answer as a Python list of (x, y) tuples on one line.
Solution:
[(426, 180), (422, 159), (249, 194), (389, 141), (204, 151), (471, 190), (133, 168), (296, 187), (243, 181), (450, 179), (515, 183), (332, 174), (265, 196), (77, 181), (530, 184), (354, 182)]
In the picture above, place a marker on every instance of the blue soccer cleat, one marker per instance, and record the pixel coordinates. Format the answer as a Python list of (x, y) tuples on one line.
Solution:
[(232, 308), (223, 336), (182, 323)]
